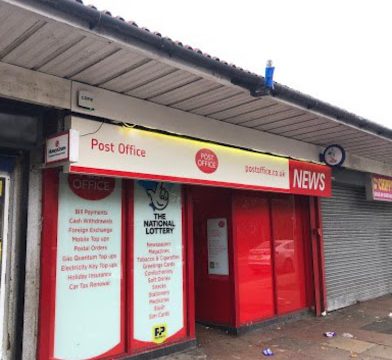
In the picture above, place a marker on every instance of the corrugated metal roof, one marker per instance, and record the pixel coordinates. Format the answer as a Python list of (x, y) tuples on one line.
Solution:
[(32, 41)]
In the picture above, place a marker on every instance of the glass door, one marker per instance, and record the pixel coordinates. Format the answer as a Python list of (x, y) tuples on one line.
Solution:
[(291, 244)]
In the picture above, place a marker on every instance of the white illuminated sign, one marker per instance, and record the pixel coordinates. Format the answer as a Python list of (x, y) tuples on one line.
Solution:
[(62, 148)]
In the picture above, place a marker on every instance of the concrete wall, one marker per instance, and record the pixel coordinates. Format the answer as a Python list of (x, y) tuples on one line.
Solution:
[(349, 177), (33, 87), (123, 108), (16, 259), (14, 264), (33, 249)]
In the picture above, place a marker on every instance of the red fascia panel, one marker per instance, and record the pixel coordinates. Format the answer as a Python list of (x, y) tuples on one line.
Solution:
[(304, 178)]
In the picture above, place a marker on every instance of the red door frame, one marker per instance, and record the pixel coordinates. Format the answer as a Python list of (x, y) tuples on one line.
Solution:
[(50, 187), (190, 268), (220, 288), (235, 282), (318, 258)]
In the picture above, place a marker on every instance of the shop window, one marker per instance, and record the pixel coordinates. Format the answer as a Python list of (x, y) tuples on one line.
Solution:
[(112, 265)]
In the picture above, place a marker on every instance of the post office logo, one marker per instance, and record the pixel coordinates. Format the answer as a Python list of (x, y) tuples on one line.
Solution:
[(207, 161), (91, 187)]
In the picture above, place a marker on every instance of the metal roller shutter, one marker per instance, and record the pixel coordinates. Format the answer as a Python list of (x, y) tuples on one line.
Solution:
[(357, 246)]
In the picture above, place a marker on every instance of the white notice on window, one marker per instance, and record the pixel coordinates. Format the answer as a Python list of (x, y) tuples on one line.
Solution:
[(218, 262), (89, 268)]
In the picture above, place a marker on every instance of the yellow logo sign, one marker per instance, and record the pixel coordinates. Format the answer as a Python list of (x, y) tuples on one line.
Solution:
[(159, 333), (382, 184), (1, 187)]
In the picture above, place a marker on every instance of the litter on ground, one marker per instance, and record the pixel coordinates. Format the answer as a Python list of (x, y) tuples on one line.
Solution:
[(267, 352), (330, 334), (348, 335)]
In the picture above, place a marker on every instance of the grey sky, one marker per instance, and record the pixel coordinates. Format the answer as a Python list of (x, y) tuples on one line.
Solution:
[(337, 51)]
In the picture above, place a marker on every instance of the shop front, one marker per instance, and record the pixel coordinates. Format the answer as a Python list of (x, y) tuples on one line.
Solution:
[(146, 234), (357, 237), (253, 259)]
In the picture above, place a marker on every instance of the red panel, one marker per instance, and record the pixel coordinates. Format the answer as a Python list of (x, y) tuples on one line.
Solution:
[(305, 179), (289, 256), (128, 190), (190, 265), (302, 210), (213, 293), (48, 267), (182, 180), (254, 264), (310, 179), (318, 256)]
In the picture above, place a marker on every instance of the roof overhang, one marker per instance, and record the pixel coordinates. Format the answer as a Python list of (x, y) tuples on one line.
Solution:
[(68, 40)]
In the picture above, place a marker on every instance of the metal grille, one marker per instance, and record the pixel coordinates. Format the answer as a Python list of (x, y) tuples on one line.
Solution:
[(357, 245)]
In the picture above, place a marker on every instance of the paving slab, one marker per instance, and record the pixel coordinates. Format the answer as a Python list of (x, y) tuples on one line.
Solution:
[(195, 354), (352, 345), (383, 352), (374, 337)]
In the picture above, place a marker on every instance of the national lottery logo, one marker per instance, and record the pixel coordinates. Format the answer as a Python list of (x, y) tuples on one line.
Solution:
[(158, 194)]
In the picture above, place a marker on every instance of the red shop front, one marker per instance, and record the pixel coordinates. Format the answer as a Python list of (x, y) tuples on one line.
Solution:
[(268, 268), (135, 250)]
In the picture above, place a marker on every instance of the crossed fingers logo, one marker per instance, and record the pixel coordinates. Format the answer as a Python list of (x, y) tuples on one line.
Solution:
[(159, 197)]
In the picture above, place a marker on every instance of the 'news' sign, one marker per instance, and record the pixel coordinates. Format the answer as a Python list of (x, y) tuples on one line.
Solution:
[(310, 179)]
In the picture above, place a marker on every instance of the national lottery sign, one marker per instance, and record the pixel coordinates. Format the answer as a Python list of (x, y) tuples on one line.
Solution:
[(158, 310), (117, 151)]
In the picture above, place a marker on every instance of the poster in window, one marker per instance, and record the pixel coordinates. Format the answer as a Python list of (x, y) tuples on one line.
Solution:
[(218, 262), (158, 311), (88, 269)]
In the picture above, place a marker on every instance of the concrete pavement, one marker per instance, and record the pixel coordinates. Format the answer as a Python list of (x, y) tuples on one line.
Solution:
[(364, 331)]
